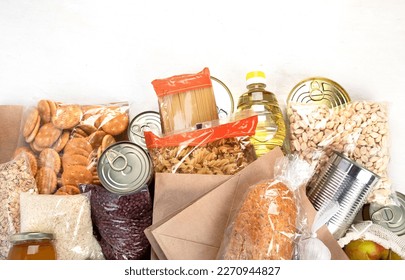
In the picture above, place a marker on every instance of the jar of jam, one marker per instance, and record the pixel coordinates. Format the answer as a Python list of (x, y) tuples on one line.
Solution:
[(32, 246)]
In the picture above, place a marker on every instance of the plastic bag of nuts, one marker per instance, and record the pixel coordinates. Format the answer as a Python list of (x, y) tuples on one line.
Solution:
[(359, 130), (64, 141)]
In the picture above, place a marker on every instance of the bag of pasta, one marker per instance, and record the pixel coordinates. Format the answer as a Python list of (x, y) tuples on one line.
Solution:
[(219, 147), (185, 100)]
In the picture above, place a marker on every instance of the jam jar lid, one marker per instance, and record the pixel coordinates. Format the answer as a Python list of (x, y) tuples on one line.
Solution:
[(26, 236)]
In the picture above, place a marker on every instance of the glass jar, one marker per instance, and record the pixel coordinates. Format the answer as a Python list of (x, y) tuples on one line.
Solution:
[(32, 246)]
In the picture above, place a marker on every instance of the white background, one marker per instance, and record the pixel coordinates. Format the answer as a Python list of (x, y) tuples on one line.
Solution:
[(102, 51)]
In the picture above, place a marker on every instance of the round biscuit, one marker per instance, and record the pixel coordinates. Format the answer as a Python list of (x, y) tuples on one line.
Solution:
[(107, 141), (69, 189), (50, 158), (95, 139), (61, 142), (116, 125), (74, 159), (75, 175), (87, 128), (44, 110), (46, 180), (67, 116), (59, 192), (47, 135), (81, 143), (34, 133), (30, 122)]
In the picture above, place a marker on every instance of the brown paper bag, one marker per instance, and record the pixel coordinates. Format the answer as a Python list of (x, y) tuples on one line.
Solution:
[(10, 116), (196, 230)]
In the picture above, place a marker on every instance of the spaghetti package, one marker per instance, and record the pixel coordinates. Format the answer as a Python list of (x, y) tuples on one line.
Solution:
[(63, 142), (216, 149), (185, 100), (269, 219), (359, 131)]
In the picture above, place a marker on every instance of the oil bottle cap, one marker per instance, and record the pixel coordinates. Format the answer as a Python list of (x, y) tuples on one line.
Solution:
[(255, 77)]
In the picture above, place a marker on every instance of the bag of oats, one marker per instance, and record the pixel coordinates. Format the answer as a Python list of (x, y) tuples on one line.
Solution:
[(15, 178)]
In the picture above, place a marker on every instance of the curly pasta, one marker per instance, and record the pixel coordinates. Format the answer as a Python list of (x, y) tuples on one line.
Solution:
[(225, 156)]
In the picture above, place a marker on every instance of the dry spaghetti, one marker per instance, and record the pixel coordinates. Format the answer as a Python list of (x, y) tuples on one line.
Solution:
[(185, 100)]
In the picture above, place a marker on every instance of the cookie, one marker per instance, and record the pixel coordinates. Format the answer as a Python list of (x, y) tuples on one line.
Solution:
[(47, 135), (75, 175), (52, 107), (107, 141), (34, 132), (46, 180), (32, 159), (87, 128), (44, 110), (50, 158), (79, 132), (116, 125), (30, 122), (67, 116), (68, 189), (73, 159), (78, 143), (61, 142), (35, 148), (95, 139)]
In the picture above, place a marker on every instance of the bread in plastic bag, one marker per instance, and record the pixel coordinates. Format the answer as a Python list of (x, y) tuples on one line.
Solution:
[(359, 130), (219, 147), (15, 178), (68, 218), (65, 141), (268, 220), (120, 221)]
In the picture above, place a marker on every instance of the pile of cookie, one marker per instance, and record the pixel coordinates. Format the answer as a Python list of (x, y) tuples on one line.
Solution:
[(63, 142)]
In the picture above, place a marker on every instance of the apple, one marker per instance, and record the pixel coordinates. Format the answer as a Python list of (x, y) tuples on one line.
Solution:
[(366, 250)]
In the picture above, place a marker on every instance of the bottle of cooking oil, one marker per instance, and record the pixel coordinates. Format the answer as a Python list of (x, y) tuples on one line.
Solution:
[(271, 128)]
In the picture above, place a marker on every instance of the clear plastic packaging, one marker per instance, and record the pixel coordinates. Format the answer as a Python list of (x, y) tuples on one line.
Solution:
[(120, 221), (64, 141), (68, 218), (185, 100), (219, 147), (358, 130), (15, 178), (269, 220)]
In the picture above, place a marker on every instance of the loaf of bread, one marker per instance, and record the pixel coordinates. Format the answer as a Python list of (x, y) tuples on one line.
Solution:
[(265, 225)]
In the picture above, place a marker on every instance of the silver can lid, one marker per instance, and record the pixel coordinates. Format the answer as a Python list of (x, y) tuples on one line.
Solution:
[(391, 217), (26, 236), (125, 168), (149, 120)]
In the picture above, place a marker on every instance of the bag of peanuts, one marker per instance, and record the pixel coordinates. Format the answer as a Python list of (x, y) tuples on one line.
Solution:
[(267, 222), (64, 141), (358, 130), (219, 147)]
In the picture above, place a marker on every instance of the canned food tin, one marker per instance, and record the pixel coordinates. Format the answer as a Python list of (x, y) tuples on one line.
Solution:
[(319, 90), (223, 98), (346, 182), (145, 120), (391, 217), (125, 168)]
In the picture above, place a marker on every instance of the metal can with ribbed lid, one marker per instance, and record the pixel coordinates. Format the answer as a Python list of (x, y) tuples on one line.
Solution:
[(319, 90), (125, 168), (32, 246), (149, 120)]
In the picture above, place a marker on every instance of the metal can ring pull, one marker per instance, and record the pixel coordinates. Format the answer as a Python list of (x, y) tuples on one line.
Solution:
[(112, 157), (384, 214), (139, 129)]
